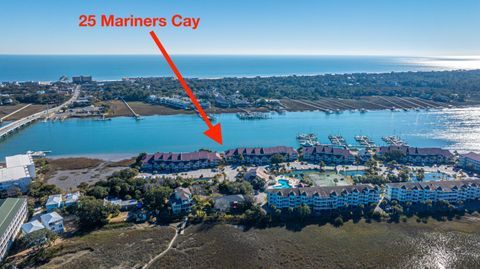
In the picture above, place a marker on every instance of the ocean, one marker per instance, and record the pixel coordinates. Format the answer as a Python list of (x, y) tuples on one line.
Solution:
[(115, 67)]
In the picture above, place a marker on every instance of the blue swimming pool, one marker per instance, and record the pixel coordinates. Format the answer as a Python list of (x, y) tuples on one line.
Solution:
[(284, 184), (433, 176)]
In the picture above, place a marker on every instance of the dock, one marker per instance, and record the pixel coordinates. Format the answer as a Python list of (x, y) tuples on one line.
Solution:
[(365, 141), (338, 140), (135, 114), (394, 141)]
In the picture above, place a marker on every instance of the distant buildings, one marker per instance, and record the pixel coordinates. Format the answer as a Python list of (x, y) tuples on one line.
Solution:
[(82, 79), (451, 191), (328, 155), (324, 198), (470, 162), (173, 162), (260, 156), (123, 205), (181, 201), (418, 156), (19, 171), (13, 212)]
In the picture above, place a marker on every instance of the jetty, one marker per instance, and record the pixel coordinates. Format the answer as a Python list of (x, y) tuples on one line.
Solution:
[(16, 125), (338, 140)]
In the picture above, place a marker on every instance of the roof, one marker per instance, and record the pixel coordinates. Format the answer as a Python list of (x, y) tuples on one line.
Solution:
[(54, 199), (179, 157), (51, 217), (324, 192), (261, 151), (414, 151), (257, 172), (72, 197), (14, 173), (445, 185), (183, 193), (8, 209), (328, 150), (230, 198), (472, 155), (19, 160), (32, 226), (121, 203)]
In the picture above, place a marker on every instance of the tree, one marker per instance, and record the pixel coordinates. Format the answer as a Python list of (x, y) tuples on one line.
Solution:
[(258, 183), (277, 158), (92, 213), (338, 221), (394, 155), (37, 239), (157, 197), (139, 159), (420, 174), (98, 192), (321, 165), (302, 212)]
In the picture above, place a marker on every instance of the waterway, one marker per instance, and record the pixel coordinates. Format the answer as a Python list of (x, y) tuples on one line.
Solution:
[(456, 129)]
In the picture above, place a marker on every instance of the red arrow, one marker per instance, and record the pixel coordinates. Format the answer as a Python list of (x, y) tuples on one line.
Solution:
[(214, 131)]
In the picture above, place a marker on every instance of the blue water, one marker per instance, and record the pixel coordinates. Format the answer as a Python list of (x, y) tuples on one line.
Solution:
[(283, 184), (48, 68), (454, 129)]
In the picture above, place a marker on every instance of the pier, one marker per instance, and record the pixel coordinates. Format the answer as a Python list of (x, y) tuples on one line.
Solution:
[(135, 114), (16, 125)]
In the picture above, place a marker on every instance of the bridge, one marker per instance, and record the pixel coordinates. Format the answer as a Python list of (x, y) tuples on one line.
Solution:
[(16, 125)]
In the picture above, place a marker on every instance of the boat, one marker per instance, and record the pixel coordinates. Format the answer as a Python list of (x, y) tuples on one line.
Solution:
[(365, 141), (252, 115), (394, 141), (38, 154), (338, 140)]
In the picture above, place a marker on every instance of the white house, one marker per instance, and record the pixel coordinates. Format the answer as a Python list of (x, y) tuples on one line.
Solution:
[(53, 221), (22, 160), (32, 226), (71, 198), (451, 191)]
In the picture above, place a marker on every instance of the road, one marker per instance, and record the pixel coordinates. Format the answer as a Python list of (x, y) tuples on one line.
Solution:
[(13, 126)]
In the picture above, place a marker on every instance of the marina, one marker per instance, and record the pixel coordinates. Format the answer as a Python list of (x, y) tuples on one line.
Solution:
[(393, 140)]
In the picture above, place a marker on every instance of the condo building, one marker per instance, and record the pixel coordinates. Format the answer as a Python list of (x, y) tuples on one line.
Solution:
[(470, 162), (18, 173), (13, 212), (174, 162), (259, 156), (328, 154), (418, 156), (452, 191), (324, 198)]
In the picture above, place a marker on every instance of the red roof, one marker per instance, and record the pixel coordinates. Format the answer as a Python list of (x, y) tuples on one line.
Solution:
[(261, 151), (472, 155), (326, 149), (190, 156)]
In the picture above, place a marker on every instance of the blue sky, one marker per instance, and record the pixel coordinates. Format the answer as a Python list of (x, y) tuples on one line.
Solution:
[(334, 27)]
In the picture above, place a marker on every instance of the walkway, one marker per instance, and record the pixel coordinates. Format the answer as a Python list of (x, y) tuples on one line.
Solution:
[(177, 232)]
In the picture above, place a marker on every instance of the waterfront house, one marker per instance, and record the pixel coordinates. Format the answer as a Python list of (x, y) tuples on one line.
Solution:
[(54, 201), (324, 198), (13, 212), (52, 221), (452, 191), (229, 202), (417, 156), (174, 162), (470, 162), (259, 156), (32, 226), (328, 154), (18, 172), (181, 201)]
